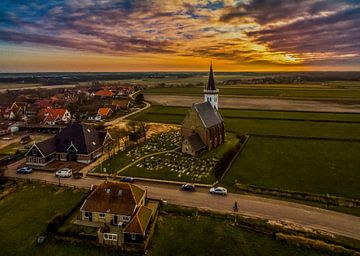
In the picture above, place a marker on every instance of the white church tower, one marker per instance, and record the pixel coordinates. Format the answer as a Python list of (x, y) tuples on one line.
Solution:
[(210, 92)]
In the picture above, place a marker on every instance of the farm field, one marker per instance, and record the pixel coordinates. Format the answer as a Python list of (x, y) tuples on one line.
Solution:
[(300, 151), (187, 235), (24, 217), (278, 123), (315, 166), (262, 90)]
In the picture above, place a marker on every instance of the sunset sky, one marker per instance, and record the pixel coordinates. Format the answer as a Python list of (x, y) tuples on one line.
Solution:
[(165, 35)]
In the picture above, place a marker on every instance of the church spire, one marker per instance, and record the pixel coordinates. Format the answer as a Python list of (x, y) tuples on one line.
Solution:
[(210, 91), (211, 81)]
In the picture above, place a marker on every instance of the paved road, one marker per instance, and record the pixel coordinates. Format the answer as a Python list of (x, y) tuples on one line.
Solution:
[(306, 216), (260, 103)]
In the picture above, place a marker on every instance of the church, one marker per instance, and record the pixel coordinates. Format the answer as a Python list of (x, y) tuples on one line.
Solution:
[(203, 127)]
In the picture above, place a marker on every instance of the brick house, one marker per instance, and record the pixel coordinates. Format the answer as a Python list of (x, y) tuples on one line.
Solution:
[(203, 127), (77, 142), (119, 210), (120, 104), (104, 113), (104, 94), (52, 116)]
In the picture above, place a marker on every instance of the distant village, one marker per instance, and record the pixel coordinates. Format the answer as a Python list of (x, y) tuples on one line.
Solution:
[(53, 108)]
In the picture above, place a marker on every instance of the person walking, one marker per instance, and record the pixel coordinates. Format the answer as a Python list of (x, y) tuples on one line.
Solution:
[(235, 207)]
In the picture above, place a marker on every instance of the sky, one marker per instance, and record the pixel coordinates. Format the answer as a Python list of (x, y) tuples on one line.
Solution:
[(179, 35)]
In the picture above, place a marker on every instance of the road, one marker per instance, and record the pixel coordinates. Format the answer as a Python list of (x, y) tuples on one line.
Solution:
[(298, 214), (260, 103)]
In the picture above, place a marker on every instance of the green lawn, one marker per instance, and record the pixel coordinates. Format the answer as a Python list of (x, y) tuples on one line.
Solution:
[(208, 236), (307, 93), (315, 166), (279, 123), (25, 215), (10, 149)]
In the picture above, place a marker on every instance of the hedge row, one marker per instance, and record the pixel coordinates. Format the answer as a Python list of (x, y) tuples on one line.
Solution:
[(329, 200), (301, 241), (225, 162)]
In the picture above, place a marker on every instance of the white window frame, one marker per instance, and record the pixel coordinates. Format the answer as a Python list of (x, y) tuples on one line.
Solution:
[(133, 236), (101, 215), (34, 152), (110, 237)]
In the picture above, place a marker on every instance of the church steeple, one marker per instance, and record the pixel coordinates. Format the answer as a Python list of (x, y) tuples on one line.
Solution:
[(210, 91), (211, 82)]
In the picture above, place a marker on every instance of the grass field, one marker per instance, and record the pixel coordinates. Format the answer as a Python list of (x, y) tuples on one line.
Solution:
[(271, 91), (315, 166), (25, 215), (279, 123), (207, 236), (305, 164)]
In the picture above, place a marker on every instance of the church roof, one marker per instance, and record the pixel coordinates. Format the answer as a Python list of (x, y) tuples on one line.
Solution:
[(211, 82), (208, 115), (196, 142)]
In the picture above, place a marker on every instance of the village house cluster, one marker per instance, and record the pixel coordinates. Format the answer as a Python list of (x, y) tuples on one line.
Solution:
[(22, 109)]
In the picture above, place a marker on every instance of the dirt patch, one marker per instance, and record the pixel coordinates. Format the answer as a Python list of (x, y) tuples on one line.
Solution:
[(155, 128), (260, 103)]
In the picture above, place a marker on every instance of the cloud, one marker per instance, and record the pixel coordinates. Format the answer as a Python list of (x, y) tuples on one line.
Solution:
[(247, 31)]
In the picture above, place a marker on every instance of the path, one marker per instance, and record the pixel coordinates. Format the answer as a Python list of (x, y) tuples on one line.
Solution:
[(121, 118), (260, 103), (306, 216)]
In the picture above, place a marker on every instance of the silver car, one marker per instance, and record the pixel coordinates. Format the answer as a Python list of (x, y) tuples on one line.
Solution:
[(64, 173), (218, 191)]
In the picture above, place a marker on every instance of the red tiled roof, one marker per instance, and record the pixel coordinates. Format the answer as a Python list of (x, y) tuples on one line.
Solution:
[(121, 103), (140, 221), (43, 103), (104, 93), (51, 114), (115, 198), (104, 112)]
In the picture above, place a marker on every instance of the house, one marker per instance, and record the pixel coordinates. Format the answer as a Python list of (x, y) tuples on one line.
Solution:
[(104, 94), (77, 142), (17, 110), (119, 210), (93, 117), (203, 127), (52, 116), (120, 104), (5, 112), (104, 112), (43, 103)]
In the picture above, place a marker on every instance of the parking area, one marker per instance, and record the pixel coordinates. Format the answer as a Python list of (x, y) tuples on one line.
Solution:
[(52, 167)]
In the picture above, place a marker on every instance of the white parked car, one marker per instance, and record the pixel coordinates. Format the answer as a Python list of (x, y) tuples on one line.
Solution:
[(218, 191), (64, 173)]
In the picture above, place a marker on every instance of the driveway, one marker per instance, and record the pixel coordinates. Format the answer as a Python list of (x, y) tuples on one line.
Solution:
[(298, 214)]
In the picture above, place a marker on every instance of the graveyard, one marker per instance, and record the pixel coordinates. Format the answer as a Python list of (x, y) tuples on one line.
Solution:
[(160, 157)]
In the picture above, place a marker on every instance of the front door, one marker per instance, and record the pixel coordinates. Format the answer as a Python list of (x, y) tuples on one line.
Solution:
[(115, 220), (71, 155)]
